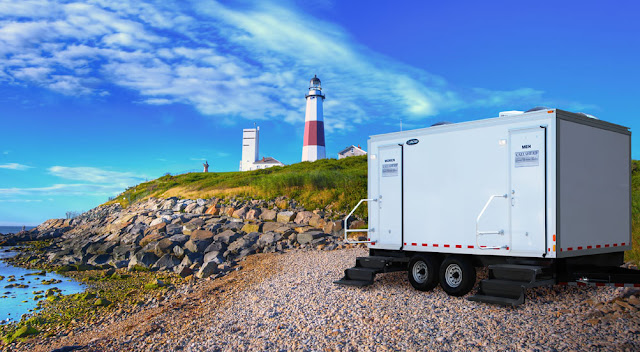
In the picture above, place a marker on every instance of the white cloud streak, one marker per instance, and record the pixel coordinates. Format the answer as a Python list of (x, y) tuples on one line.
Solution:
[(14, 166), (248, 61)]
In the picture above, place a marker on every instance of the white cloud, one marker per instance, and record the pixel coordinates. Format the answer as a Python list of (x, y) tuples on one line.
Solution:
[(229, 61), (14, 166), (63, 190), (95, 175)]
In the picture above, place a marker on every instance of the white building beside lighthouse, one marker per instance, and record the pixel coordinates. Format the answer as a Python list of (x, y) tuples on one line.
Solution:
[(251, 152), (313, 147)]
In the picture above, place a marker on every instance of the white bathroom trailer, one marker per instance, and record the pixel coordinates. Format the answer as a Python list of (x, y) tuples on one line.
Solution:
[(536, 196)]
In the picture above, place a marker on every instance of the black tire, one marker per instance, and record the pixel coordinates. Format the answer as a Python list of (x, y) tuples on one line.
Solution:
[(423, 272), (457, 275)]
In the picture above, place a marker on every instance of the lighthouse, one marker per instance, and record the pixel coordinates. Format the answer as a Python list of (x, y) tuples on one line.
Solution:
[(313, 146)]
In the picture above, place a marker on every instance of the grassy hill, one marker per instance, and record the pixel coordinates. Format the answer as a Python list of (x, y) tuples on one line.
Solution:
[(338, 184)]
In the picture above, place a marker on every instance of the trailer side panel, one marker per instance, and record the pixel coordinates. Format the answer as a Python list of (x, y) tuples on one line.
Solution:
[(593, 188)]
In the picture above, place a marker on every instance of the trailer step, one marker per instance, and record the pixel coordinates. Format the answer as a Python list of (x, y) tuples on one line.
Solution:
[(504, 301), (348, 282), (507, 283), (364, 273)]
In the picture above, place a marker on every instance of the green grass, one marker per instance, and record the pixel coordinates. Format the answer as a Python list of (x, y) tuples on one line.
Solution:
[(327, 183), (634, 254)]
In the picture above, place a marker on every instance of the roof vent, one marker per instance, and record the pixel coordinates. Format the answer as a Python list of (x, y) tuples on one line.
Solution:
[(441, 123), (510, 113), (587, 115), (538, 108)]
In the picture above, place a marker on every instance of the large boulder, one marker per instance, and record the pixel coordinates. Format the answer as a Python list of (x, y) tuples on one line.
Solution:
[(190, 208), (215, 256), (207, 270), (179, 239), (268, 238), (142, 259), (201, 235), (163, 247), (100, 259), (123, 251), (152, 237), (227, 236), (303, 217), (286, 216), (240, 213), (216, 246), (308, 237), (174, 229), (253, 214), (243, 242), (197, 246), (213, 210), (252, 227), (268, 215), (166, 262), (270, 226)]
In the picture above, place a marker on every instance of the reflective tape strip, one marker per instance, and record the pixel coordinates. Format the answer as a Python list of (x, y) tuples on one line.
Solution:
[(597, 284)]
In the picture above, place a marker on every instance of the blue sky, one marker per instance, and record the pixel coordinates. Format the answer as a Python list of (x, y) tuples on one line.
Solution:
[(100, 95)]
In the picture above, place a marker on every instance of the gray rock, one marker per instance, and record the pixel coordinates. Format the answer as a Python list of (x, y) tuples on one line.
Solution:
[(178, 251), (235, 226), (201, 202), (215, 256), (99, 259), (268, 215), (197, 246), (167, 262), (194, 224), (216, 246), (227, 236), (286, 216), (118, 264), (179, 239), (307, 237), (143, 259), (303, 217), (156, 221), (199, 210), (179, 207), (268, 238), (245, 241), (164, 246), (207, 270), (168, 204), (123, 251), (174, 229), (191, 207)]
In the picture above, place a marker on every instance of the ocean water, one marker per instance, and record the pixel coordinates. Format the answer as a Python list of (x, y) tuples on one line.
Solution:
[(14, 301), (13, 229)]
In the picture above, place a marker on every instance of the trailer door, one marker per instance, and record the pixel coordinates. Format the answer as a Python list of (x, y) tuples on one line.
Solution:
[(390, 197), (528, 190)]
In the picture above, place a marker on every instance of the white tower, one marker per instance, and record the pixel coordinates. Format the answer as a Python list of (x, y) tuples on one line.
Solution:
[(313, 146), (250, 152)]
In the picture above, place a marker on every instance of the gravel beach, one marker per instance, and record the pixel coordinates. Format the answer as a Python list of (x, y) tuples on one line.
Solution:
[(289, 302)]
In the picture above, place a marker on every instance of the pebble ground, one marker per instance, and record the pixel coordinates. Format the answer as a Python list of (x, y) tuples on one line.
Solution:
[(288, 302)]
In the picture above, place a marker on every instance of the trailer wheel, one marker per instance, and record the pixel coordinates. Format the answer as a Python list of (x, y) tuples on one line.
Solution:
[(457, 275), (423, 272)]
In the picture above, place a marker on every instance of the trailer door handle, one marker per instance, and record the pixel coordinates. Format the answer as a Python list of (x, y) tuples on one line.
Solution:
[(513, 202)]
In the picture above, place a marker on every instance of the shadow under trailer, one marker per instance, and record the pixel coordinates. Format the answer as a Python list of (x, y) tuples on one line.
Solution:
[(540, 198)]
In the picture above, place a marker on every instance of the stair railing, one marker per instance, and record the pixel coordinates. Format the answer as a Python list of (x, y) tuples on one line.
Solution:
[(482, 233), (346, 223)]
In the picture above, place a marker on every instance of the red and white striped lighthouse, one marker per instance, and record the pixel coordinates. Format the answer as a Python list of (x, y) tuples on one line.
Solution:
[(313, 146)]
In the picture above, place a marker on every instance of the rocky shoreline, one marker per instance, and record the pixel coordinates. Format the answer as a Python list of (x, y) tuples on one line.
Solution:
[(188, 237)]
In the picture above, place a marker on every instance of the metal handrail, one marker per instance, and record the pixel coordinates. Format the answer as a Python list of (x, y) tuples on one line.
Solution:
[(346, 219), (480, 233)]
